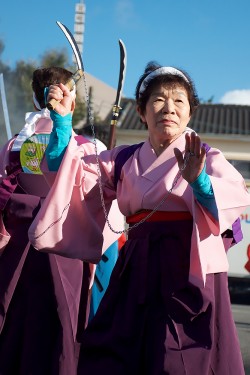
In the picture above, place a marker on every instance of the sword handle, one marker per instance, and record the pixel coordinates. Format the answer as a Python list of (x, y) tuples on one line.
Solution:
[(70, 84), (113, 124)]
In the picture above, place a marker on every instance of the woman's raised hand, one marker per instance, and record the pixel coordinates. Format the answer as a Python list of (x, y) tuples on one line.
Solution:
[(196, 157), (62, 94)]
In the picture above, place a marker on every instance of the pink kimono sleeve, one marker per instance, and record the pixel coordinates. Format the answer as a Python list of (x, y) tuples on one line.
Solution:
[(71, 221), (208, 250)]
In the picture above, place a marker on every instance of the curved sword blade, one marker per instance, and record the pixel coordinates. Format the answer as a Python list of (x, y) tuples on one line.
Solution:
[(123, 65), (116, 106), (73, 44)]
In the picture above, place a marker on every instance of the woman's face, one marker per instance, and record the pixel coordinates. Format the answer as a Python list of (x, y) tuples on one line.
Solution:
[(167, 114)]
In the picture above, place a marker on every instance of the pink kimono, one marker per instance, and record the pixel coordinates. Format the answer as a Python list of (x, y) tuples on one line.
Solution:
[(144, 184), (161, 311)]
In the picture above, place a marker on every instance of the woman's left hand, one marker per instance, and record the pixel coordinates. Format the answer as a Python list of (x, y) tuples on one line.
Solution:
[(196, 155)]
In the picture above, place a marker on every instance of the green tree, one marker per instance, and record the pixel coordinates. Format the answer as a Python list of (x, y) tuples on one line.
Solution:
[(80, 112), (19, 93), (6, 72), (55, 58), (4, 69)]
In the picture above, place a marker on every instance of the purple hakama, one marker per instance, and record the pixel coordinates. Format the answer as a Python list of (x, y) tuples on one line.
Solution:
[(153, 321)]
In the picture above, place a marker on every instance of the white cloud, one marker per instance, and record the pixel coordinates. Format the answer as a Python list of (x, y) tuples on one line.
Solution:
[(241, 97), (125, 12)]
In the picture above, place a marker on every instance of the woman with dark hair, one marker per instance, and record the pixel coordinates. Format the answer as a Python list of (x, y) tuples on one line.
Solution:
[(40, 293), (167, 307)]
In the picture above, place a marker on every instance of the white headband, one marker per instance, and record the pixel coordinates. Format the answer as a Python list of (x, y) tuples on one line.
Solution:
[(159, 72), (36, 102)]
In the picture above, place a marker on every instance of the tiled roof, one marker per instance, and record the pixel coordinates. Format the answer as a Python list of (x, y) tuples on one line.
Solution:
[(209, 118)]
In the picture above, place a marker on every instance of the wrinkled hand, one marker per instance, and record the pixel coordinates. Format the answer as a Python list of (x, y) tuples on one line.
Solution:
[(62, 94), (196, 155)]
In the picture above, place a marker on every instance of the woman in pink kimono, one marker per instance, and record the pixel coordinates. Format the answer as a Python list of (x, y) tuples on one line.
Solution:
[(40, 294), (167, 307)]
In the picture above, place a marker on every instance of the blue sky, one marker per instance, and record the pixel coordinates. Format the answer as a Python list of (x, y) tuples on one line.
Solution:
[(210, 39)]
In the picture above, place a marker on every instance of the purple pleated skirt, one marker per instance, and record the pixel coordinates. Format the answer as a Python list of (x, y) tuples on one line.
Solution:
[(35, 329), (152, 321)]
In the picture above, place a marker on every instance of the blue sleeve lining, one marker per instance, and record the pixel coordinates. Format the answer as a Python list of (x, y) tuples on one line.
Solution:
[(204, 193), (59, 139)]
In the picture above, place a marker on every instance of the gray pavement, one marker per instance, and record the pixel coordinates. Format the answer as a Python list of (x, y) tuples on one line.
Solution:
[(241, 315)]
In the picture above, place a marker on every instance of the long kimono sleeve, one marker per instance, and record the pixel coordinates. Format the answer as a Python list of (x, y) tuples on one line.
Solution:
[(230, 191), (208, 250), (71, 221)]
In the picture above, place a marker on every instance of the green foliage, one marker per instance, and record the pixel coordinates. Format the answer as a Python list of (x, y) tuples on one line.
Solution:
[(21, 83), (80, 111), (4, 69), (55, 58), (1, 47)]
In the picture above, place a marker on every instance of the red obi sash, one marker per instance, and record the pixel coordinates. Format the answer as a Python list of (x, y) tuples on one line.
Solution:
[(159, 216)]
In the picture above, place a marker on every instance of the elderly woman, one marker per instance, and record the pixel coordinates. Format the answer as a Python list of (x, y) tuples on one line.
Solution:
[(167, 307)]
